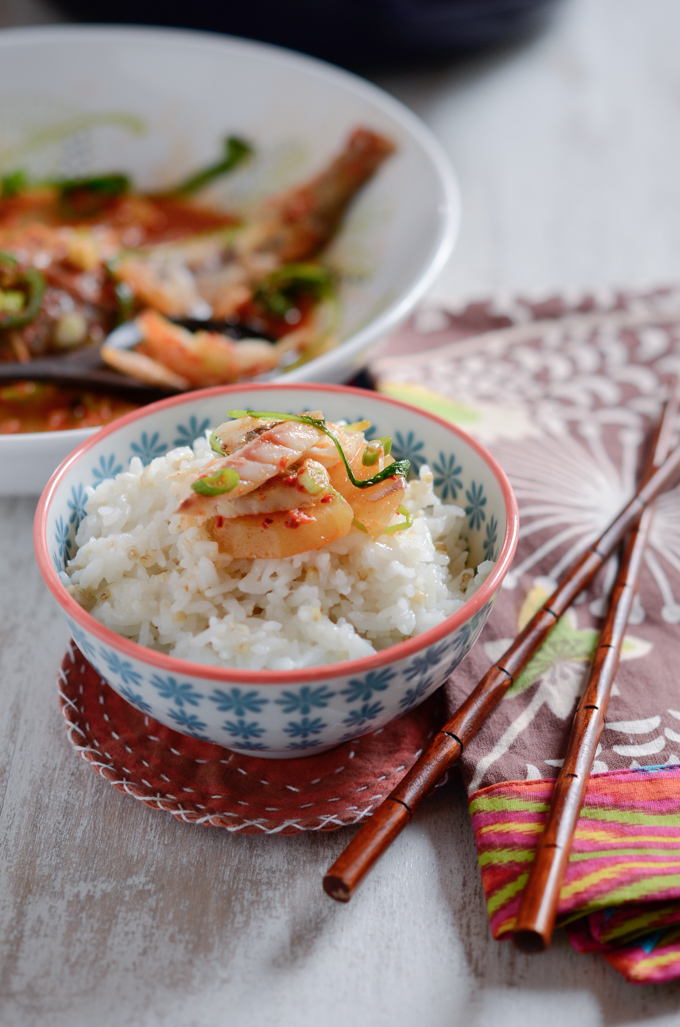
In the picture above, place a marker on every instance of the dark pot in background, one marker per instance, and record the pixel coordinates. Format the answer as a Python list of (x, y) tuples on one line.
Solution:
[(347, 32)]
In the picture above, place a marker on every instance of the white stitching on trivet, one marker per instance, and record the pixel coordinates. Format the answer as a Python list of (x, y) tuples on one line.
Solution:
[(216, 820), (158, 802)]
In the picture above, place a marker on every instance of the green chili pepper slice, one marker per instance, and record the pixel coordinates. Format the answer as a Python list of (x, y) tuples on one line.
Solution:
[(216, 484), (398, 467), (235, 151), (30, 283)]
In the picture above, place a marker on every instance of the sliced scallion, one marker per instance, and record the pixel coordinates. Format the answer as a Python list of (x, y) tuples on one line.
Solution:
[(314, 479), (371, 454), (215, 443), (218, 483)]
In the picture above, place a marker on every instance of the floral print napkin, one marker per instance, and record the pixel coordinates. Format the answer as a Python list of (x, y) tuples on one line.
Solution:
[(564, 391)]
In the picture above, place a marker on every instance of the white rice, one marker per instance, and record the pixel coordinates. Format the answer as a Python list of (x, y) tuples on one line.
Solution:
[(144, 577)]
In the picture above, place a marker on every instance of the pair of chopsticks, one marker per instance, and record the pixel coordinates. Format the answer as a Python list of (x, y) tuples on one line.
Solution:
[(538, 909)]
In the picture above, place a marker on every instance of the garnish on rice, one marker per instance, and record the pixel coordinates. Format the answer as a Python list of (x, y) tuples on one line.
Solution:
[(283, 484)]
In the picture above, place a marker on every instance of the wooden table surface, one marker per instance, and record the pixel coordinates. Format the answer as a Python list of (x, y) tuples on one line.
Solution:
[(568, 152)]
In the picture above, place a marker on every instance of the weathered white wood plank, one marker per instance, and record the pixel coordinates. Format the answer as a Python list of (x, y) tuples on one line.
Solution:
[(111, 914)]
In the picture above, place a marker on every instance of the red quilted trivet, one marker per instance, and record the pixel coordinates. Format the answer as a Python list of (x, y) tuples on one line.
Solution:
[(202, 783)]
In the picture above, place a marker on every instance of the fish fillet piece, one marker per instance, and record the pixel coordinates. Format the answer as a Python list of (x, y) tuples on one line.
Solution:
[(264, 457)]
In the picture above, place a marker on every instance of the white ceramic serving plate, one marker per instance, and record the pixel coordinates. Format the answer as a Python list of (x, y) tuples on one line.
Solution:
[(283, 713), (156, 103)]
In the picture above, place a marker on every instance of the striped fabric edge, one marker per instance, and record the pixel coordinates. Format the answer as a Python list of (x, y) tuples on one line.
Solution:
[(621, 894)]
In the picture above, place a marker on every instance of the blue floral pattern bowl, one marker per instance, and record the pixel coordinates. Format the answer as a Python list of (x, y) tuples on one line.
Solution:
[(282, 713)]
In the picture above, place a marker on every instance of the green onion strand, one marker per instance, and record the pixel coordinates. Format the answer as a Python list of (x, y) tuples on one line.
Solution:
[(401, 525), (235, 151), (398, 467), (106, 186), (279, 290)]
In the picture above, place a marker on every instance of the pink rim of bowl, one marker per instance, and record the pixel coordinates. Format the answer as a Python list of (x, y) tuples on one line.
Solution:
[(324, 671)]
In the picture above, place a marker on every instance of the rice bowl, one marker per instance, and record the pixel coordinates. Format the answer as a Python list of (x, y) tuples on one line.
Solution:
[(283, 712)]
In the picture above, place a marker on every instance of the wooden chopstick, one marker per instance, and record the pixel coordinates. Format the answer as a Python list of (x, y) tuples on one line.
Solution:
[(446, 748), (538, 908)]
